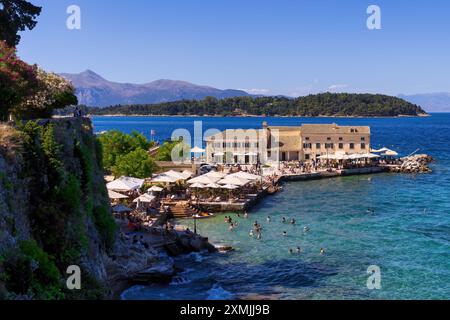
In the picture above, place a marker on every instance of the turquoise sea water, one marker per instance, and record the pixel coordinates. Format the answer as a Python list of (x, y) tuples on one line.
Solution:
[(407, 235)]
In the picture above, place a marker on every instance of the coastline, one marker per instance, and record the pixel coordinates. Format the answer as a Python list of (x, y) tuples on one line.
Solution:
[(253, 116)]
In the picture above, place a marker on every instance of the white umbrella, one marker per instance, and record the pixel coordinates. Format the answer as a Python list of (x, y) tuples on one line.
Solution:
[(155, 189), (215, 174), (188, 173), (197, 150), (245, 175), (203, 179), (390, 153), (370, 155), (230, 187), (384, 149), (115, 195), (177, 175), (198, 186), (145, 198), (213, 186), (125, 184), (165, 179), (234, 180)]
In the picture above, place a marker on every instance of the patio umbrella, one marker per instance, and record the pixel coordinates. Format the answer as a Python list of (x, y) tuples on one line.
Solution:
[(164, 179), (197, 150), (115, 195), (155, 189), (198, 186), (230, 187), (145, 198), (125, 184), (390, 153), (215, 174), (245, 175), (213, 186), (204, 179), (234, 181)]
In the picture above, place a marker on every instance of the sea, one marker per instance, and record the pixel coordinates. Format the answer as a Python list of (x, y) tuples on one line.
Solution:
[(385, 236)]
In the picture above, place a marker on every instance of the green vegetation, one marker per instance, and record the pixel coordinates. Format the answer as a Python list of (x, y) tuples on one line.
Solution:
[(127, 154), (16, 16), (29, 270), (325, 104), (61, 185)]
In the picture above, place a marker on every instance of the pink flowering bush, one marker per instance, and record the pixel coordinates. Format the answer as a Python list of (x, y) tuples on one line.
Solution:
[(27, 91), (17, 80)]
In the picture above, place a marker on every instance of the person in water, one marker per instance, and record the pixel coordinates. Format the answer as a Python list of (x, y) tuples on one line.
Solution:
[(283, 220), (306, 229), (284, 233), (322, 251), (293, 221), (291, 251), (251, 234), (245, 214), (299, 250), (269, 219)]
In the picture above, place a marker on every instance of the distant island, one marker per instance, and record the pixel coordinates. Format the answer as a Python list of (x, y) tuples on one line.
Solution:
[(318, 105)]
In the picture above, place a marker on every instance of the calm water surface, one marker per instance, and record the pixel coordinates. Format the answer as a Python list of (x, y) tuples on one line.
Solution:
[(407, 235)]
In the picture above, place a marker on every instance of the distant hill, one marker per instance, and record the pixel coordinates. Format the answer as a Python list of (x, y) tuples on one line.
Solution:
[(93, 90), (431, 102), (324, 104)]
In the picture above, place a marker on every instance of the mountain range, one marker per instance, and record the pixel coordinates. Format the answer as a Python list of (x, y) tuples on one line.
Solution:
[(430, 102), (95, 91)]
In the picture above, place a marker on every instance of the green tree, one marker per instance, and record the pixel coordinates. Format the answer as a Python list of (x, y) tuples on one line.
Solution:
[(16, 16), (137, 164)]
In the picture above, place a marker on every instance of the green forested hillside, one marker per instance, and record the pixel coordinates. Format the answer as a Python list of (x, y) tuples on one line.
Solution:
[(325, 104)]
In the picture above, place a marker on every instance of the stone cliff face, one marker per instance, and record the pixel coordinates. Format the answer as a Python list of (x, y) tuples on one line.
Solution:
[(54, 210)]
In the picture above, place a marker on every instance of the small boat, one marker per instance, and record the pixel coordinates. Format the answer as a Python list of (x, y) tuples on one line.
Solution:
[(203, 215)]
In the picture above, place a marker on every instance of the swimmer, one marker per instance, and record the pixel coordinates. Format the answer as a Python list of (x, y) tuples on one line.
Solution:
[(293, 221), (245, 215), (306, 229), (291, 251), (251, 234), (238, 215), (299, 250), (226, 219), (269, 219), (283, 220), (230, 228), (255, 224), (322, 251), (284, 233)]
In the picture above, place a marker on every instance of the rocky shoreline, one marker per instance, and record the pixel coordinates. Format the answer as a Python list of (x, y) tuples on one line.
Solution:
[(134, 264), (418, 163)]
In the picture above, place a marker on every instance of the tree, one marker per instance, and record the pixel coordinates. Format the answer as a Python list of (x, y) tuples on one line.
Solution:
[(17, 80), (16, 16), (137, 164), (116, 144), (52, 92)]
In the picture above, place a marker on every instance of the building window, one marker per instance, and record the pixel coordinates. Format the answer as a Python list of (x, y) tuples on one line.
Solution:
[(307, 157), (307, 145), (317, 145), (340, 138), (363, 139), (307, 138), (329, 139), (363, 145), (352, 146), (329, 146), (341, 146)]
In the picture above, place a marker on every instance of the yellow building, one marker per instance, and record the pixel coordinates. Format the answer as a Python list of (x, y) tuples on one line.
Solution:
[(284, 143)]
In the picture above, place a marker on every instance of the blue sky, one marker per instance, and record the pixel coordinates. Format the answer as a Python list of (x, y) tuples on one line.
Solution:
[(291, 47)]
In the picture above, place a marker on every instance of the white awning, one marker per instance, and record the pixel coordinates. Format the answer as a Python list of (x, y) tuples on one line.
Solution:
[(197, 150), (245, 175), (125, 184), (115, 195), (230, 187), (155, 189), (197, 186), (234, 180), (203, 179), (145, 198)]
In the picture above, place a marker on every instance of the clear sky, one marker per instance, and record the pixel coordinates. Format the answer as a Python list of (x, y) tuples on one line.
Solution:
[(290, 47)]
